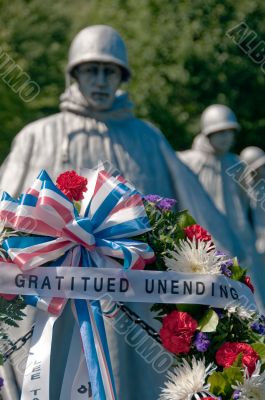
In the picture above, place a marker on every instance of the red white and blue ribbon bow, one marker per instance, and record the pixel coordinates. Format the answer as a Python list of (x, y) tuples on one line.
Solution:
[(112, 212)]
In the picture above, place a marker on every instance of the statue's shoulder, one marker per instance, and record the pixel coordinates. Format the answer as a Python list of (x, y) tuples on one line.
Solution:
[(232, 158), (35, 128), (147, 127)]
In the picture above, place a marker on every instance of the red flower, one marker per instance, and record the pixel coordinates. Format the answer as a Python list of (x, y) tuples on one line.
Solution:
[(228, 353), (247, 281), (72, 185), (8, 297), (197, 232), (177, 332)]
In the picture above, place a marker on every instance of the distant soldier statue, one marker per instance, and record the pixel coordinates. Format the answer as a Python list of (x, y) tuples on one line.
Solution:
[(210, 158), (213, 163), (254, 178), (96, 123)]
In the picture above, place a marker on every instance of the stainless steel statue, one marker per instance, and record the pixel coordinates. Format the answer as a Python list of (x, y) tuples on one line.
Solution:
[(210, 158), (254, 182), (213, 163)]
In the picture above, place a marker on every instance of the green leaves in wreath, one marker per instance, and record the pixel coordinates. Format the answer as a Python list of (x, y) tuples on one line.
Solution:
[(221, 382), (209, 321), (260, 349), (11, 311), (238, 273), (184, 219)]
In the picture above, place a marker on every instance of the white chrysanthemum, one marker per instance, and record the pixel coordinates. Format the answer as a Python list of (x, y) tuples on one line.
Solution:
[(253, 387), (195, 257), (241, 312), (186, 380)]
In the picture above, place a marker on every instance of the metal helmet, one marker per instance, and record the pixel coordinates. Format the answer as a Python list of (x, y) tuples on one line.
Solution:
[(98, 43), (253, 156), (218, 117)]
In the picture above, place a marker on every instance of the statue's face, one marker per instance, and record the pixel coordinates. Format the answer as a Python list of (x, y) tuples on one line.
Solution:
[(99, 82), (260, 172), (222, 141)]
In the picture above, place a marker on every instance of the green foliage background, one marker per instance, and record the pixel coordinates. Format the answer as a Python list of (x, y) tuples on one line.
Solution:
[(181, 58)]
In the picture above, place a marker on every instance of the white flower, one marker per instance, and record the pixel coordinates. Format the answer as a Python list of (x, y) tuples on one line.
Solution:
[(253, 387), (195, 257), (186, 380), (241, 312)]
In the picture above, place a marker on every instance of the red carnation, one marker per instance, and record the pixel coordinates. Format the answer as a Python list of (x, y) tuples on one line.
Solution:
[(248, 282), (177, 332), (8, 297), (72, 185), (228, 353), (197, 232)]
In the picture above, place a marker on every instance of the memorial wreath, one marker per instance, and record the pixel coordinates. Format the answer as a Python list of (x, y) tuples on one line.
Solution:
[(131, 248)]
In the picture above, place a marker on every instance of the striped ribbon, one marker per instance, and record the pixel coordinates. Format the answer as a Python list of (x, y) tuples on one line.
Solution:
[(202, 395), (112, 212)]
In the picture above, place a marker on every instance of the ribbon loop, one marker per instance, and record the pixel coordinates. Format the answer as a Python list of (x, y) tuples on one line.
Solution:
[(112, 213)]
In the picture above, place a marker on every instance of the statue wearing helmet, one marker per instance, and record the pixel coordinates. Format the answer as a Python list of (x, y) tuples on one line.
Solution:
[(96, 123), (254, 182), (98, 44), (210, 159), (210, 155)]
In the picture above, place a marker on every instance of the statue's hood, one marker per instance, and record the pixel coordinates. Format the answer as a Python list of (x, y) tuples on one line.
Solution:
[(73, 101), (202, 143)]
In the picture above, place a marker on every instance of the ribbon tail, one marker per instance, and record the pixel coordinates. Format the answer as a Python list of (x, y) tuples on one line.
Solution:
[(36, 377), (76, 384), (95, 344), (103, 350)]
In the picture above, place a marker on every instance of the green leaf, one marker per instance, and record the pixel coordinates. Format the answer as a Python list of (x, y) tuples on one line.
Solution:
[(11, 311), (218, 383), (238, 361), (238, 273), (260, 349), (221, 382), (209, 322), (185, 219)]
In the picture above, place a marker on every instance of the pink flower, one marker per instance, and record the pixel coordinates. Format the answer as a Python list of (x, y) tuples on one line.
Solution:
[(197, 232), (177, 332), (72, 185)]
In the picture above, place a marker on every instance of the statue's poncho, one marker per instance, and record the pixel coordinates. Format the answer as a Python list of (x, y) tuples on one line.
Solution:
[(257, 214), (215, 172), (79, 138)]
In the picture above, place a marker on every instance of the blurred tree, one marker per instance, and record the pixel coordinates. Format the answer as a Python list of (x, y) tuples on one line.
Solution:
[(181, 56)]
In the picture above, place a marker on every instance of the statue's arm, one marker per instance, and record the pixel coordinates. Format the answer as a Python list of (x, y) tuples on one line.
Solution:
[(15, 167)]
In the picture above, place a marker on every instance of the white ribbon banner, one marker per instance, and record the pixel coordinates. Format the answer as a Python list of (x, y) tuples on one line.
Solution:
[(126, 285), (35, 382)]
